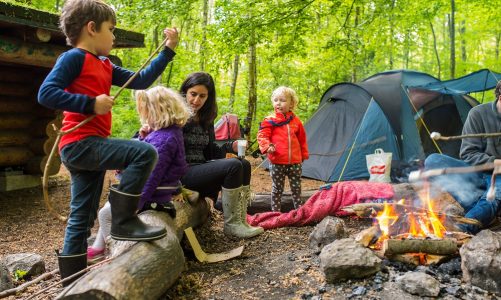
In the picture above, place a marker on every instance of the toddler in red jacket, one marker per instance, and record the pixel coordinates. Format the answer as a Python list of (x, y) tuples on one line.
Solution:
[(282, 137)]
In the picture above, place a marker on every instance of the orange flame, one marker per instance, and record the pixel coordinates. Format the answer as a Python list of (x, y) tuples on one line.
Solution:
[(385, 219), (419, 221)]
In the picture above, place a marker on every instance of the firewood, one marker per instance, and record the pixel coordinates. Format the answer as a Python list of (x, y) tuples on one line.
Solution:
[(368, 209), (143, 270), (368, 236), (441, 247)]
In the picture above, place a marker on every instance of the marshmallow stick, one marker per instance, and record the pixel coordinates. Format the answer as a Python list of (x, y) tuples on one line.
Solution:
[(437, 136)]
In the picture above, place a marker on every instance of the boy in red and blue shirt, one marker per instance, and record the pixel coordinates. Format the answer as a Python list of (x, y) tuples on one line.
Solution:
[(79, 84)]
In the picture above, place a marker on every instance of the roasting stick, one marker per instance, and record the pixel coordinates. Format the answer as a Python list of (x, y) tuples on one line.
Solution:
[(496, 166), (437, 136), (60, 133)]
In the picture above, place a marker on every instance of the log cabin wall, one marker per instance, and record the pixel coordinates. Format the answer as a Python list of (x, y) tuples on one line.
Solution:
[(26, 132), (30, 43)]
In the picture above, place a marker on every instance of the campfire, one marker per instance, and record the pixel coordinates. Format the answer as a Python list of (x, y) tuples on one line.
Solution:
[(411, 230)]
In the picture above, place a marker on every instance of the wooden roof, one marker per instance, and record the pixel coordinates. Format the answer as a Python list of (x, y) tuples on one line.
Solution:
[(20, 21)]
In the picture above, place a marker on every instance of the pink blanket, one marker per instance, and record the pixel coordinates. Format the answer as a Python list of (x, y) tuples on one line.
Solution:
[(324, 203)]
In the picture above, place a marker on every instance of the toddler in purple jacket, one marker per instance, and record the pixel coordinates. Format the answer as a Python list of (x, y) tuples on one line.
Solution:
[(165, 112)]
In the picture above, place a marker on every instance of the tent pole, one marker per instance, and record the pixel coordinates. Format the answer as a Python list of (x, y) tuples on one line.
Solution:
[(421, 119), (354, 141)]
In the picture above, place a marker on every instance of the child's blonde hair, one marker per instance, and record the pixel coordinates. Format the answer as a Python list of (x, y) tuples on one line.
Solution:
[(287, 92), (161, 107)]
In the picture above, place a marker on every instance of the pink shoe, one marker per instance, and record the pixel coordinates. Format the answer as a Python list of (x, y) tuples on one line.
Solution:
[(94, 255)]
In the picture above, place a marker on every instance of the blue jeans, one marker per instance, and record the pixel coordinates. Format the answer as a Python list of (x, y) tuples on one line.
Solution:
[(469, 189), (87, 161)]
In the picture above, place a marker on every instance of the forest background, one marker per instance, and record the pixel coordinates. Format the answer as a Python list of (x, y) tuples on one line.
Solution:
[(253, 46)]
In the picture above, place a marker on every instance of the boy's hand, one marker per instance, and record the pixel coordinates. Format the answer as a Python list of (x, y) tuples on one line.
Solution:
[(173, 37), (103, 104), (271, 148)]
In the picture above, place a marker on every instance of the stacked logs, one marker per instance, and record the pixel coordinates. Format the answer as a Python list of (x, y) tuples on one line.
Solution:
[(26, 131)]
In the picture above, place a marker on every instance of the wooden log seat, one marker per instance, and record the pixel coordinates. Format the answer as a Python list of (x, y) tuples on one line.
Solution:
[(143, 270)]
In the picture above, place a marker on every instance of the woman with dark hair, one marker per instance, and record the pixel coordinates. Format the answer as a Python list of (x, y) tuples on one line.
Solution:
[(209, 171)]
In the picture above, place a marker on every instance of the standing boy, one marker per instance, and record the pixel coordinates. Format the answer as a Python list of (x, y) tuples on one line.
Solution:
[(79, 84)]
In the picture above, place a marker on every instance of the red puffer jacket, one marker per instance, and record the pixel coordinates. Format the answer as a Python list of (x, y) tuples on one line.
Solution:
[(286, 133)]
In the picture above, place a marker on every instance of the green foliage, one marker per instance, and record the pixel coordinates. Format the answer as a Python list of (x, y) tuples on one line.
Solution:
[(308, 45), (19, 275)]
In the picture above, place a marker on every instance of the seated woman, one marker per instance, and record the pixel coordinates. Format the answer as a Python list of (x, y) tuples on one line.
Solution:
[(208, 170)]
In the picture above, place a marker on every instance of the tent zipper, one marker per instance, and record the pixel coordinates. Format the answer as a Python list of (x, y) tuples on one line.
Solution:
[(290, 144)]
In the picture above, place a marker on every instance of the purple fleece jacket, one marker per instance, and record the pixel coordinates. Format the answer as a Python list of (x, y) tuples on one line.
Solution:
[(171, 165)]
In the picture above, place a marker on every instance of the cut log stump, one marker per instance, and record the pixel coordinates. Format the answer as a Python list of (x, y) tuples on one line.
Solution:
[(143, 270), (262, 202)]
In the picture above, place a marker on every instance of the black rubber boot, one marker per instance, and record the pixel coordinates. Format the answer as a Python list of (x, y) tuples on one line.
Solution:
[(125, 224), (71, 264)]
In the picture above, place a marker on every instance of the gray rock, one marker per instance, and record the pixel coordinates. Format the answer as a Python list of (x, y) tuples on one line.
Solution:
[(481, 261), (30, 262), (345, 259), (327, 231), (5, 278), (419, 283)]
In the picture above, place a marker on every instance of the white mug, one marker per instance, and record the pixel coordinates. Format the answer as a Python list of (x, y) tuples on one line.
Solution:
[(242, 146)]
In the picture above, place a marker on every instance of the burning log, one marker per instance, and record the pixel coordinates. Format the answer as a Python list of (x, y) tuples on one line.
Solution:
[(440, 247), (368, 236), (369, 210)]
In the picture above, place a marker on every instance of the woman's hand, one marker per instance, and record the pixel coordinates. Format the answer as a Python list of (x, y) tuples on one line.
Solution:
[(144, 131), (271, 149)]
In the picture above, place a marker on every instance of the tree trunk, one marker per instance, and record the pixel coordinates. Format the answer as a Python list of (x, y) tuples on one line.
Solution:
[(234, 78), (463, 41), (436, 49), (204, 34), (142, 270), (498, 38), (354, 76), (452, 34), (392, 35), (251, 107)]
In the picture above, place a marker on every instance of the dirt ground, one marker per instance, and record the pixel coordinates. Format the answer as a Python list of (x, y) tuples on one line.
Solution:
[(276, 264)]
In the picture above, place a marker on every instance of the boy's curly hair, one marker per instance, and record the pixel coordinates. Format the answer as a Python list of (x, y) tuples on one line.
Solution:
[(497, 91), (77, 13)]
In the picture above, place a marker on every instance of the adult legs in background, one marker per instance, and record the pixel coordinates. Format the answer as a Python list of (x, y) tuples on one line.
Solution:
[(208, 178), (228, 175), (466, 188), (484, 210)]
